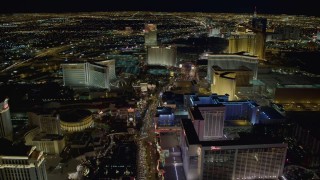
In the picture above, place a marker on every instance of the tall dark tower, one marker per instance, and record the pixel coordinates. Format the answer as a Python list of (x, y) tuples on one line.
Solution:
[(258, 23), (259, 27), (255, 12), (5, 120)]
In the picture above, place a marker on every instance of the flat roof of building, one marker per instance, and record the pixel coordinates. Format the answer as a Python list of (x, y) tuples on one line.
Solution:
[(13, 149), (308, 120), (237, 123), (242, 53), (47, 137), (101, 63), (79, 138), (270, 113), (240, 68), (164, 111), (245, 138), (195, 112), (74, 115), (190, 132), (287, 80), (184, 83)]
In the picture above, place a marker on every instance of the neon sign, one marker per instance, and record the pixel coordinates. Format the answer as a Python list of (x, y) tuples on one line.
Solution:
[(215, 148)]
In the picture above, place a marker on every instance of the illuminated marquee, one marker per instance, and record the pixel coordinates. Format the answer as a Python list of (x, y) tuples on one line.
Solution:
[(130, 110), (215, 148)]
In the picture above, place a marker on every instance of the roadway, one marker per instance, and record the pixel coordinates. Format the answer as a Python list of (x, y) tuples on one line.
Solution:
[(147, 154), (43, 53)]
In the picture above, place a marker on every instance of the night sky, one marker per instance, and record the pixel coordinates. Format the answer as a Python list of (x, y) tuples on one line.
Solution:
[(306, 7)]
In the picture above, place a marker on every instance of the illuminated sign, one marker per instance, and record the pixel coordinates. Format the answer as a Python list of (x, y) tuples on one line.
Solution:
[(5, 104), (199, 151), (215, 148)]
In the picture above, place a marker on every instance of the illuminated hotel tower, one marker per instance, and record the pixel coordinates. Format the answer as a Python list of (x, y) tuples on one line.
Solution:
[(92, 74), (224, 82), (161, 55), (5, 120), (150, 35), (251, 41), (21, 162), (230, 61)]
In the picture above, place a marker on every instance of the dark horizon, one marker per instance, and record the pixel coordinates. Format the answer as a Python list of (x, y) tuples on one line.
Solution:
[(226, 6)]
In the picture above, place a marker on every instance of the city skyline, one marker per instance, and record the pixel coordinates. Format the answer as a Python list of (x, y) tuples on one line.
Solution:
[(159, 90), (229, 6)]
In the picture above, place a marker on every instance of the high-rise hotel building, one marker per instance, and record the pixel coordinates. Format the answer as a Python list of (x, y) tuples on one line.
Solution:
[(150, 35), (21, 162), (93, 74), (231, 62), (233, 110), (5, 120), (208, 120), (226, 81), (209, 153), (47, 122), (47, 136), (250, 42), (162, 55), (247, 157)]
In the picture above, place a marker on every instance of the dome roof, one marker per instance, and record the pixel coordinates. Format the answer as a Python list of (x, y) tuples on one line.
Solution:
[(74, 115)]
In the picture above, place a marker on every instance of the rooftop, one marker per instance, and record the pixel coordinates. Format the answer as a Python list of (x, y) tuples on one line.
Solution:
[(74, 115), (308, 120), (196, 114), (163, 110), (245, 138), (47, 137), (190, 132), (270, 113), (13, 149), (240, 68)]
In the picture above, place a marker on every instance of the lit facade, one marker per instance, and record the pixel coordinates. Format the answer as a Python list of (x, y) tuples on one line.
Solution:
[(305, 132), (48, 143), (231, 61), (51, 144), (150, 35), (249, 42), (214, 32), (208, 121), (20, 162), (295, 94), (111, 64), (234, 110), (77, 126), (73, 121), (248, 157), (255, 161), (164, 116), (161, 55), (48, 123), (93, 74), (5, 120), (225, 81)]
